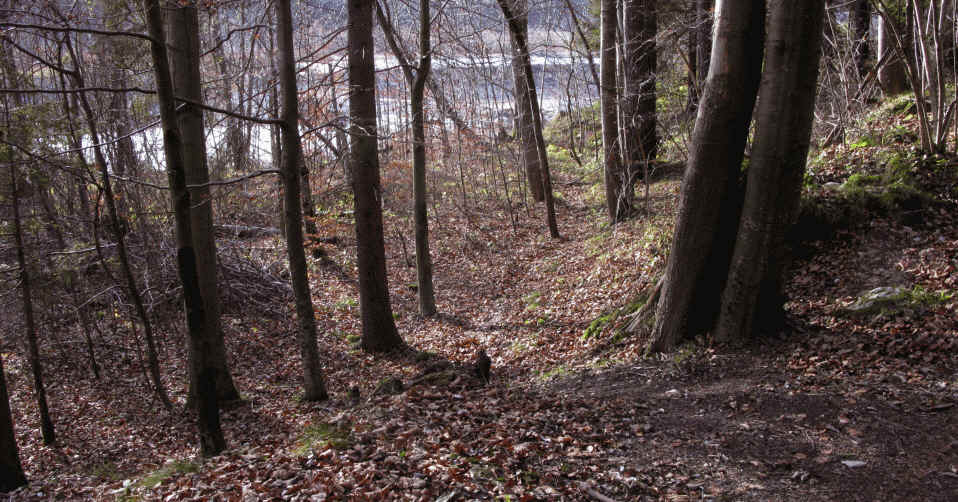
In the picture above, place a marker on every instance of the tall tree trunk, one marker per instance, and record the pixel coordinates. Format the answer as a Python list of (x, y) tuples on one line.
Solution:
[(416, 79), (783, 127), (522, 43), (379, 327), (692, 49), (710, 194), (861, 17), (525, 128), (314, 387), (891, 75), (32, 345), (11, 471), (211, 436), (33, 349), (641, 27), (618, 201), (118, 226), (185, 56)]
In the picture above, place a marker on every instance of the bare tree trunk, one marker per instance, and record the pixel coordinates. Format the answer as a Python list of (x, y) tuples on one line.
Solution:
[(783, 127), (314, 387), (703, 53), (641, 27), (525, 129), (185, 54), (211, 436), (33, 349), (520, 38), (30, 328), (608, 95), (379, 327), (416, 80), (709, 199), (11, 470)]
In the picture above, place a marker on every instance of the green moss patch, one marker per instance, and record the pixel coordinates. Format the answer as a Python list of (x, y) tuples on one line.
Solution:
[(321, 436)]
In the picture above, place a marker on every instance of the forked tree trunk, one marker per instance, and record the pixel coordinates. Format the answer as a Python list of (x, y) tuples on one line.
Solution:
[(211, 436), (379, 327), (618, 202), (525, 128), (185, 54), (783, 125), (709, 199), (11, 470), (314, 387)]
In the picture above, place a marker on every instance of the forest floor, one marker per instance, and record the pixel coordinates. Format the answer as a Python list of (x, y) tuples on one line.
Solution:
[(841, 405)]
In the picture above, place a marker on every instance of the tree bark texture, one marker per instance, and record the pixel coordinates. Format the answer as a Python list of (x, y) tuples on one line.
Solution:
[(522, 43), (703, 49), (617, 197), (710, 193), (313, 385), (641, 27), (208, 420), (11, 470), (379, 327), (184, 54), (525, 128), (783, 126)]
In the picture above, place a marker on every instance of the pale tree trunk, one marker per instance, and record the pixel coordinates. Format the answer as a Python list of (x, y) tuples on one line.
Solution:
[(525, 129), (709, 198), (786, 106), (703, 49), (11, 470), (608, 96), (208, 418), (522, 43), (314, 387), (185, 54), (379, 327)]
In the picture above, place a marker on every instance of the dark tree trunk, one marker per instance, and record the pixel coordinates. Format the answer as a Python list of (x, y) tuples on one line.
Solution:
[(314, 387), (185, 54), (710, 194), (32, 345), (211, 436), (33, 349), (891, 75), (519, 37), (379, 327), (525, 129), (618, 199), (11, 471), (861, 21), (783, 126), (641, 28), (416, 78), (692, 78)]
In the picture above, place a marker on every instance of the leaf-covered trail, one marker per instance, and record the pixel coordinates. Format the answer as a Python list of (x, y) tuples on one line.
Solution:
[(823, 413)]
